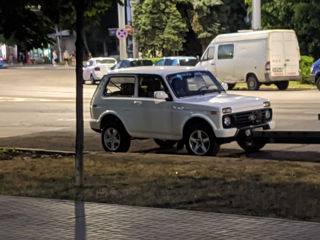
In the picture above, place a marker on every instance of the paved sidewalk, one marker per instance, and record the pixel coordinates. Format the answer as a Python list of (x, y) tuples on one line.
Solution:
[(36, 218)]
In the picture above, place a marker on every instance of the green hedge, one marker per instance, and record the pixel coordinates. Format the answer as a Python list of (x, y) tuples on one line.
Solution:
[(306, 63)]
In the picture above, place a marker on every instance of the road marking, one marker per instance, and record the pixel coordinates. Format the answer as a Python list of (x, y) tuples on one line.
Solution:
[(19, 99)]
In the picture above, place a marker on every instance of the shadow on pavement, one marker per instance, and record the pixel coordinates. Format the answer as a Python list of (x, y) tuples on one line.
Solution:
[(65, 141)]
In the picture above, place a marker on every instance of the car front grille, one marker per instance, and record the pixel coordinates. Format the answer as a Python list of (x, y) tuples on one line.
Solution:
[(249, 118)]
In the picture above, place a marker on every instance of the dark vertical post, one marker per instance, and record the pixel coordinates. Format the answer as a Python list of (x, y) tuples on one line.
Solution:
[(79, 4)]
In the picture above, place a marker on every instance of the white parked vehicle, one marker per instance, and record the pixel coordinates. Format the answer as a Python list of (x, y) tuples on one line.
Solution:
[(258, 57), (96, 68), (175, 104)]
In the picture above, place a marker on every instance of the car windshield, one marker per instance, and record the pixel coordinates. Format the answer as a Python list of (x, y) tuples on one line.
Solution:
[(193, 83), (106, 61)]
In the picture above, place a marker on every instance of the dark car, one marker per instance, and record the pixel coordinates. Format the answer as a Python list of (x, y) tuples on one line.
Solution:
[(315, 73), (131, 62), (177, 61)]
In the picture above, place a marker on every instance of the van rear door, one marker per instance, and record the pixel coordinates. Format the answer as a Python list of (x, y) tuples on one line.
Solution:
[(284, 54)]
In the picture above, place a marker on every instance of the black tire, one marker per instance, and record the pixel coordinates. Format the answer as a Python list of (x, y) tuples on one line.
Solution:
[(249, 144), (253, 83), (201, 136), (92, 81), (231, 86), (114, 138), (165, 143), (283, 85), (318, 82)]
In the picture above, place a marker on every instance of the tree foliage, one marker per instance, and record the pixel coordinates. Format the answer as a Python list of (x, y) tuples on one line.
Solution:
[(159, 26), (167, 29)]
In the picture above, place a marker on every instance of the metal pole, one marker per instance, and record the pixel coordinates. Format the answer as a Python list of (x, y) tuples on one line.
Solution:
[(59, 45), (122, 42), (256, 14)]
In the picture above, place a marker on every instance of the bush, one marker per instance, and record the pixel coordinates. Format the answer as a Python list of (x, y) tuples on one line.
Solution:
[(306, 63)]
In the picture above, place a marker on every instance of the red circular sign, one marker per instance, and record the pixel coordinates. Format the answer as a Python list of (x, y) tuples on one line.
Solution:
[(121, 33)]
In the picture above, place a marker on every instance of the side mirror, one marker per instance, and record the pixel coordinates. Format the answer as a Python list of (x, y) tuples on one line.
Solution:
[(225, 86), (160, 95)]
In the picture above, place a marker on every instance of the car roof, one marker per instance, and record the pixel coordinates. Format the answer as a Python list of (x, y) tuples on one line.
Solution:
[(102, 58), (135, 59), (155, 70)]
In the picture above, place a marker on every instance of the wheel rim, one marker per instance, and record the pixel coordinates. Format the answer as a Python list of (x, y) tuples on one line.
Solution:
[(112, 139), (199, 142), (252, 83)]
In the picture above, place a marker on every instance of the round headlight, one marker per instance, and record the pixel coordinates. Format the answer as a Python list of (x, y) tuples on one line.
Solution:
[(227, 121), (268, 114)]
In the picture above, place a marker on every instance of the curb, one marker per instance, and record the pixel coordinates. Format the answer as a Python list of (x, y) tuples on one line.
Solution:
[(43, 151)]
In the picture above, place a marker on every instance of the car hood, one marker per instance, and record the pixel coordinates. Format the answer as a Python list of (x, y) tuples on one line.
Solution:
[(238, 103)]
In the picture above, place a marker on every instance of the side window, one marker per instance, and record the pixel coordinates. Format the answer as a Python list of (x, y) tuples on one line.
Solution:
[(148, 85), (211, 53), (120, 87), (169, 62), (225, 51), (160, 63)]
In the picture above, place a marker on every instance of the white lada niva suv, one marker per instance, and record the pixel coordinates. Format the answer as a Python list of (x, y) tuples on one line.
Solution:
[(183, 105)]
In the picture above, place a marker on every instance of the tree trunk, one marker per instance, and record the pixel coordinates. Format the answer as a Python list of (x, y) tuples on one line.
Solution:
[(79, 95)]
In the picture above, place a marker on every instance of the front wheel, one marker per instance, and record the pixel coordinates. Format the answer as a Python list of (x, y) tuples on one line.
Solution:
[(165, 143), (249, 144), (282, 85), (115, 138), (200, 141)]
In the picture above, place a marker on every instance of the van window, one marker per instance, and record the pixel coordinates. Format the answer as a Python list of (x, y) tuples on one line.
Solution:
[(209, 54), (225, 51)]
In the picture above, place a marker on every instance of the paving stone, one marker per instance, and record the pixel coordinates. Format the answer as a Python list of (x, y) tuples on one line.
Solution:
[(38, 218)]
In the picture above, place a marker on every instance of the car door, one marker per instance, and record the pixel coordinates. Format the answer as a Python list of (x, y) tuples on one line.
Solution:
[(225, 63), (87, 70), (152, 116)]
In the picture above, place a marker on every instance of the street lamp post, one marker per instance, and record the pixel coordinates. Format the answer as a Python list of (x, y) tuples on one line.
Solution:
[(256, 14)]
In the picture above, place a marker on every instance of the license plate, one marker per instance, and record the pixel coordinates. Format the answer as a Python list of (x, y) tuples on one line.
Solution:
[(258, 129)]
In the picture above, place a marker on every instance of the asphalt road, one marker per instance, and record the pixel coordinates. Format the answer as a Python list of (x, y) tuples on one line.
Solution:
[(37, 109)]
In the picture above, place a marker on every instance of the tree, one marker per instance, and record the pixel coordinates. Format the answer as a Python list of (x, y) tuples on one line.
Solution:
[(29, 22), (159, 27)]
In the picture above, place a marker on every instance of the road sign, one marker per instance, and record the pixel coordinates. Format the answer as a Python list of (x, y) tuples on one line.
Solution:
[(122, 33)]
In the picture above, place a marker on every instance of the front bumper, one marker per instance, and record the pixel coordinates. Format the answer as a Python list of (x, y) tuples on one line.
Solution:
[(233, 132)]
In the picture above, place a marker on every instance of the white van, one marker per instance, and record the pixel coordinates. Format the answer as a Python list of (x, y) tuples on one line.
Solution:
[(255, 57)]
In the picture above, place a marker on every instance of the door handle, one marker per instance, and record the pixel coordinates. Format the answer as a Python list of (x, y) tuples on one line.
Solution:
[(177, 107), (137, 102)]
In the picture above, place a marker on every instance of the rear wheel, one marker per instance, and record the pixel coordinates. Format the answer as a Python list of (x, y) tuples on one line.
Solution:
[(248, 143), (115, 138), (165, 143), (253, 83), (92, 80), (200, 141), (318, 82), (282, 85), (231, 86)]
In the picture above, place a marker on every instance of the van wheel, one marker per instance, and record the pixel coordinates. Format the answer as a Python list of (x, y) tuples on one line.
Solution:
[(249, 144), (253, 83), (318, 82), (282, 85), (115, 138), (200, 141), (231, 86), (165, 143)]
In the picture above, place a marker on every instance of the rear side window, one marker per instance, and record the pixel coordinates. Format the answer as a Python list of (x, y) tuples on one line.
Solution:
[(225, 51), (148, 84), (120, 87), (188, 62)]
